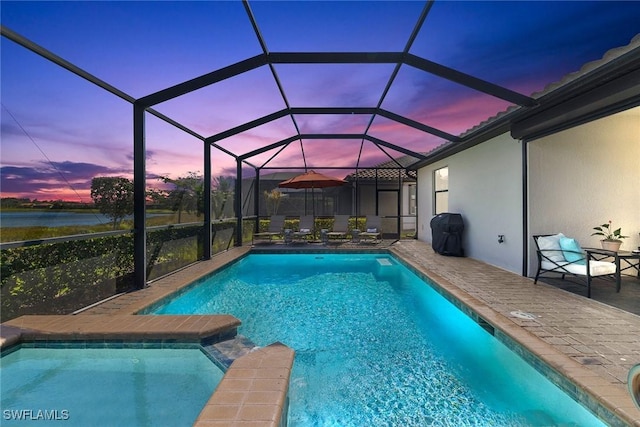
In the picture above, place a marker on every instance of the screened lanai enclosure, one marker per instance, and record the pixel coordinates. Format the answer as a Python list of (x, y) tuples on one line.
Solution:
[(206, 107)]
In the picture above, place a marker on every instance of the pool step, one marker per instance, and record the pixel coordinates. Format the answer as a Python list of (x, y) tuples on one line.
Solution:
[(385, 268), (384, 262), (225, 352)]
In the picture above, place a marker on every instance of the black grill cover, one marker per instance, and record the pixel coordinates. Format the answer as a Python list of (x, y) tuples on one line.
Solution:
[(446, 234)]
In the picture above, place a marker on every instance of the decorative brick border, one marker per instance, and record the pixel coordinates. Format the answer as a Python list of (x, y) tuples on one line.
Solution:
[(254, 391)]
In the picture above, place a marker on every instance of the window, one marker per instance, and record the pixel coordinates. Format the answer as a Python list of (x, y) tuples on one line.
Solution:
[(441, 190)]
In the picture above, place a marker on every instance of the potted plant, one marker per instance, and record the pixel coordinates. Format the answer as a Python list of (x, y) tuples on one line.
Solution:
[(612, 239)]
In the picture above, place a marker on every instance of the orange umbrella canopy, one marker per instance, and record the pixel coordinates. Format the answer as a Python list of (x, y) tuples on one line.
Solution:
[(312, 179)]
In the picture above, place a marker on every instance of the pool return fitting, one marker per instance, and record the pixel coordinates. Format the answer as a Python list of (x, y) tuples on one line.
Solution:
[(633, 382)]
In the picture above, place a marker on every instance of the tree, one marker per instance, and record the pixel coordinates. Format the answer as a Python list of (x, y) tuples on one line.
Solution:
[(223, 188), (157, 198), (187, 194), (273, 199), (113, 196)]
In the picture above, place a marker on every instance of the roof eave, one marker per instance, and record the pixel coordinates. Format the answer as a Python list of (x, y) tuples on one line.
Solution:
[(600, 89), (607, 90)]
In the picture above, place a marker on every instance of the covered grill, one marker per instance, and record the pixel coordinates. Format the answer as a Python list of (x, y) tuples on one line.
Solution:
[(446, 234)]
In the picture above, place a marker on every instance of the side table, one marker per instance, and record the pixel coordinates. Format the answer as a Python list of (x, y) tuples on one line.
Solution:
[(631, 260)]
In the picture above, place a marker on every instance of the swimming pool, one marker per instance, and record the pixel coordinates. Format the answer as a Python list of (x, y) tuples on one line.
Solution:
[(375, 345), (105, 386)]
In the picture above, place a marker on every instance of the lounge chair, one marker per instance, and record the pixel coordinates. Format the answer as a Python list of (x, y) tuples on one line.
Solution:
[(305, 229), (558, 254), (372, 229), (340, 227), (276, 224)]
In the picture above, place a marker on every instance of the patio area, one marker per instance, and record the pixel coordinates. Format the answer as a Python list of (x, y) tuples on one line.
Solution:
[(628, 299)]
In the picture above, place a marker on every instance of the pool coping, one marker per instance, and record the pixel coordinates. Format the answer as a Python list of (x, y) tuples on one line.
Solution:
[(117, 328), (253, 391), (609, 401)]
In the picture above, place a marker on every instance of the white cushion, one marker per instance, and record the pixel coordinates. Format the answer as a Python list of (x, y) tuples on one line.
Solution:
[(598, 268), (551, 244)]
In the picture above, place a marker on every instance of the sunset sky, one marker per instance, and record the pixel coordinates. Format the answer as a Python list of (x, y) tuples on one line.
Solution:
[(59, 131)]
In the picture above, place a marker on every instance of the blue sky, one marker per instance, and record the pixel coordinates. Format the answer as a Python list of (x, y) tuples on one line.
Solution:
[(58, 131)]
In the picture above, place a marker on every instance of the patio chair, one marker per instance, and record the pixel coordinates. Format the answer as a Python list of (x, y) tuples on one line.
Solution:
[(305, 229), (372, 229), (340, 227), (558, 254), (276, 224)]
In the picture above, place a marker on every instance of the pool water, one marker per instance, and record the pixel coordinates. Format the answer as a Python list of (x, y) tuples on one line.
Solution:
[(376, 345), (105, 386)]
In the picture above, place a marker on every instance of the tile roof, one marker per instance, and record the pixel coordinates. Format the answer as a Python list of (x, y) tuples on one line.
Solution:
[(585, 70), (386, 171)]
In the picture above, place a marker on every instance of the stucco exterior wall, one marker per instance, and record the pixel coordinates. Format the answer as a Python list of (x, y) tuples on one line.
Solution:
[(586, 176), (485, 187)]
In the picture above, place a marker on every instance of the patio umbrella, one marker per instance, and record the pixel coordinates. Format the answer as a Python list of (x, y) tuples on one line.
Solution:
[(312, 179)]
